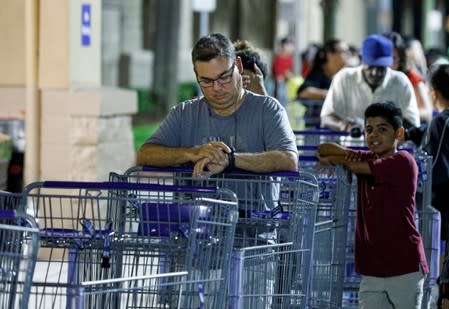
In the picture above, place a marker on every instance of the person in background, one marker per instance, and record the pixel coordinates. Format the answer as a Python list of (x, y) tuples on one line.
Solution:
[(402, 63), (328, 61), (354, 89), (254, 68), (307, 57), (436, 143), (389, 251), (282, 69), (226, 128), (416, 55), (354, 56), (435, 55)]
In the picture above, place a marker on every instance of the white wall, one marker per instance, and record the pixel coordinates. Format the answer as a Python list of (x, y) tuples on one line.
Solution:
[(351, 21)]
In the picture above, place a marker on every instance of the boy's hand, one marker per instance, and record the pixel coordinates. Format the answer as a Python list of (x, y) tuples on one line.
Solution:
[(323, 159), (352, 156)]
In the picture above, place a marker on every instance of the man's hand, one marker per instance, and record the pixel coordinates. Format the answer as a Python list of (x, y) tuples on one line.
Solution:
[(206, 168), (213, 151), (213, 159), (253, 80)]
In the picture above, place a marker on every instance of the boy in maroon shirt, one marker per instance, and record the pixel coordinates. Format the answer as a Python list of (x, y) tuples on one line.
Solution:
[(389, 252)]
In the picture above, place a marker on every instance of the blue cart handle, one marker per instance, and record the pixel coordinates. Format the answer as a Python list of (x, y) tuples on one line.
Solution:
[(235, 172), (8, 214), (321, 132), (108, 185)]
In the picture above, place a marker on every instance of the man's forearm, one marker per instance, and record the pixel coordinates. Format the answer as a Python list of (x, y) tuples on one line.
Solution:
[(266, 162), (162, 156), (332, 122), (336, 123)]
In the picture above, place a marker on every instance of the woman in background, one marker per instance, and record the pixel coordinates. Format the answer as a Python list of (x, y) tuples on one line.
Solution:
[(328, 61), (420, 87)]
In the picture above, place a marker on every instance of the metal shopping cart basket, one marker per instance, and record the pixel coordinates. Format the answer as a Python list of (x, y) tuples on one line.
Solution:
[(107, 289), (273, 208), (19, 244), (332, 240), (101, 230), (334, 280), (263, 277)]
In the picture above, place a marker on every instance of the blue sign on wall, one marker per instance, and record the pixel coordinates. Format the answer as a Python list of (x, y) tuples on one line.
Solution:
[(86, 24)]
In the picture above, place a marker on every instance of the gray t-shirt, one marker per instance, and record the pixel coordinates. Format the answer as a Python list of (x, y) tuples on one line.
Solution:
[(260, 124)]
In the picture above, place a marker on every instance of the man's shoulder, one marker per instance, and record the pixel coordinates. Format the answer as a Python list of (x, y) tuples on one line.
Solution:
[(398, 77), (349, 71), (191, 104), (192, 101), (347, 75), (261, 101)]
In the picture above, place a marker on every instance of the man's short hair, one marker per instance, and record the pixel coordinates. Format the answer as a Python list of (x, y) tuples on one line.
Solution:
[(212, 46), (386, 110), (286, 40), (377, 50), (439, 79)]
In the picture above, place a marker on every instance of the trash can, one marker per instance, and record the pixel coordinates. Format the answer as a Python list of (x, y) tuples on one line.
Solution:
[(15, 128), (5, 156)]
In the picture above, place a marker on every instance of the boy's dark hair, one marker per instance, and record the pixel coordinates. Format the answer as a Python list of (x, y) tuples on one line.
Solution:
[(250, 55), (212, 46), (439, 79), (388, 111)]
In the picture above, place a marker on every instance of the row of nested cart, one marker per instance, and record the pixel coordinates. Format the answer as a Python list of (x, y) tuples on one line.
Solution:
[(101, 243), (158, 238)]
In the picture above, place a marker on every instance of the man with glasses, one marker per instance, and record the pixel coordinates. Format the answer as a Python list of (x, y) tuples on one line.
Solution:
[(353, 89), (229, 127)]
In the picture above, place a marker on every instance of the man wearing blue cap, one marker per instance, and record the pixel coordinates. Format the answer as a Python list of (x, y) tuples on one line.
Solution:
[(353, 89)]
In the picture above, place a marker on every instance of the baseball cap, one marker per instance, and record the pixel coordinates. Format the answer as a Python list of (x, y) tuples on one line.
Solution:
[(377, 50)]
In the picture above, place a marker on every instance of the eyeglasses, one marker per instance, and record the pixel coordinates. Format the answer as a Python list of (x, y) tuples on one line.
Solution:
[(224, 78)]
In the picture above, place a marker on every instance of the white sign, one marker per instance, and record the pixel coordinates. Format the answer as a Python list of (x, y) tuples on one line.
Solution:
[(434, 20), (204, 5)]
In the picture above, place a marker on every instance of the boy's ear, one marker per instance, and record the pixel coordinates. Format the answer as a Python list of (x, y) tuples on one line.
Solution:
[(400, 133)]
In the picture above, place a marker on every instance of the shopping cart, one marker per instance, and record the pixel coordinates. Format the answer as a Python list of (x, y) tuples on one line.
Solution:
[(19, 244), (274, 208), (107, 290), (428, 221), (263, 277), (102, 230), (332, 241), (10, 200)]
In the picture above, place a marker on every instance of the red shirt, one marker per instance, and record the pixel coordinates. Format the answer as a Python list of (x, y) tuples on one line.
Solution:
[(281, 65), (387, 241), (414, 77)]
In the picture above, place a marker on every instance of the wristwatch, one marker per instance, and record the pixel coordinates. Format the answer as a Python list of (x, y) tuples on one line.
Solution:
[(231, 160)]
